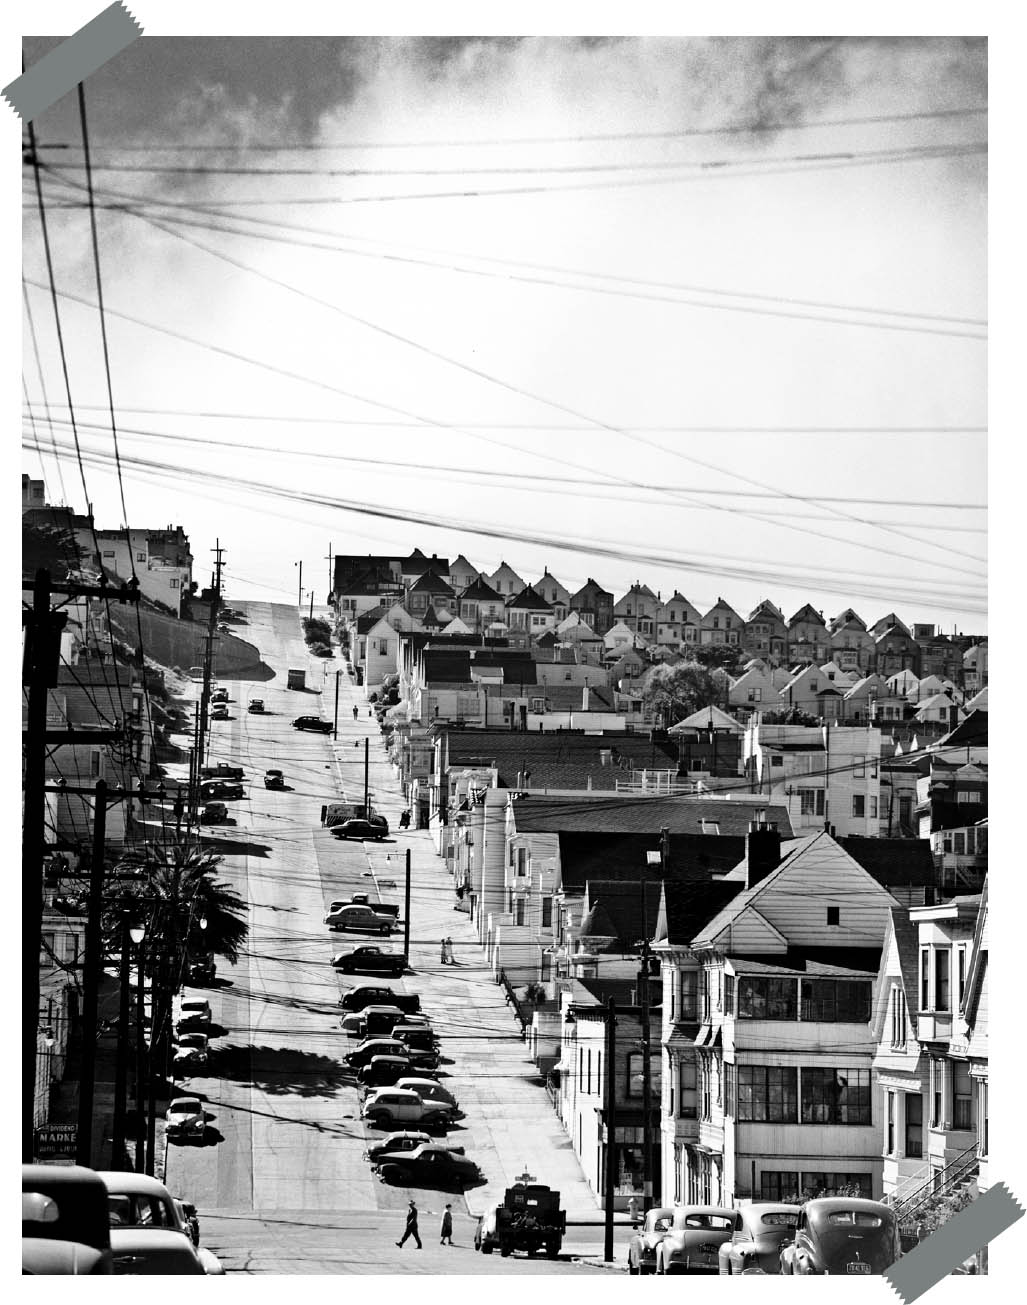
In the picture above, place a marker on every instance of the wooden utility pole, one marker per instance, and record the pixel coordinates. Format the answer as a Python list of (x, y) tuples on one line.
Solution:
[(92, 964), (406, 910), (610, 1122), (121, 1062), (367, 773), (141, 1057), (208, 666), (335, 730)]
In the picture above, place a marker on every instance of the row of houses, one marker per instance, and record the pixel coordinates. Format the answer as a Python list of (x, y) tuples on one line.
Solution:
[(434, 592)]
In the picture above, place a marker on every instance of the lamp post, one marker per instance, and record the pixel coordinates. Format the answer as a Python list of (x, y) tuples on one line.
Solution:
[(121, 1062), (137, 933)]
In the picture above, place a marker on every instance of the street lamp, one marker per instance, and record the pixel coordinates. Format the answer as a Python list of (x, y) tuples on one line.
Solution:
[(137, 933), (128, 937)]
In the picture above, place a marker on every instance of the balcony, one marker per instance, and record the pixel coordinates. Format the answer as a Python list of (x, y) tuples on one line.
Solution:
[(934, 1026)]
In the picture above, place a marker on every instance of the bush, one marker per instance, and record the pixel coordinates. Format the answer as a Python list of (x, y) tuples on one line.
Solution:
[(321, 650)]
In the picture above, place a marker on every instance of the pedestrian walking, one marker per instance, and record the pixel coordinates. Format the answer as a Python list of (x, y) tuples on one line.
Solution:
[(447, 1227), (444, 957), (411, 1228), (355, 712), (447, 943), (404, 820)]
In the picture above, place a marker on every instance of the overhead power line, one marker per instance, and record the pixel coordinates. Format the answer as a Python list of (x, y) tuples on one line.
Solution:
[(723, 129)]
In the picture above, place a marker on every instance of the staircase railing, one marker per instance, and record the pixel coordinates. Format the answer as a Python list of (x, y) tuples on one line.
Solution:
[(939, 1184)]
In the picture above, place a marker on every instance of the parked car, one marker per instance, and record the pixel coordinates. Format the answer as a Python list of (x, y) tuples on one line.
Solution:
[(352, 1024), (219, 711), (369, 994), (384, 1071), (370, 959), (376, 827), (359, 919), (186, 1119), (196, 674), (429, 1166), (219, 695), (692, 1243), (191, 1052), (842, 1235), (642, 1247), (141, 1201), (203, 970), (214, 813), (363, 899), (390, 1106), (432, 1091), (222, 770), (65, 1226), (190, 1219), (313, 723), (760, 1230), (194, 1015), (146, 1251), (418, 1037), (219, 788), (381, 1020), (274, 779), (256, 706), (409, 1140), (362, 1053)]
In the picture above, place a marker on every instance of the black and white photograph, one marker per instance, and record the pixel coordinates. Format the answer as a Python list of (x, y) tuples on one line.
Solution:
[(504, 646)]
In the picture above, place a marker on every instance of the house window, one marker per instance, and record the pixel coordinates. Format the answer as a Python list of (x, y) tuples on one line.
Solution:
[(898, 1017), (925, 979), (588, 1070), (730, 1088), (634, 1084), (914, 1104), (835, 1096), (108, 552), (962, 1088), (814, 1185), (811, 801), (547, 912), (891, 1106), (836, 1001), (47, 951), (766, 999), (859, 803), (581, 1069), (522, 861), (777, 761), (538, 706), (767, 1094), (755, 695), (716, 622), (729, 994), (687, 1095), (779, 1185), (705, 1079), (941, 979), (140, 557), (709, 826), (859, 768), (959, 843), (961, 968), (834, 915), (519, 911), (688, 995), (873, 807), (172, 584), (383, 647)]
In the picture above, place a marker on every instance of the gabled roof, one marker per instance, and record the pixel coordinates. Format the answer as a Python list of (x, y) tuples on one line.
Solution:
[(936, 701), (590, 589), (970, 733), (462, 564), (864, 686), (369, 619), (432, 618), (705, 718), (430, 583), (893, 862), (891, 621), (806, 613), (590, 854), (597, 924), (766, 606), (894, 631), (688, 905), (418, 564), (979, 702), (529, 600), (722, 606), (480, 591)]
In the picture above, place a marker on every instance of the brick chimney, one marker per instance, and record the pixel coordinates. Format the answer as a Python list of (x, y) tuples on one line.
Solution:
[(762, 852)]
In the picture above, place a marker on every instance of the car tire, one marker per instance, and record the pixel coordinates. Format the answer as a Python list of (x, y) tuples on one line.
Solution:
[(487, 1248), (385, 931), (632, 1268)]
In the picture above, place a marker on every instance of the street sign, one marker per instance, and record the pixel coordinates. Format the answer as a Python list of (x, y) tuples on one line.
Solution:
[(54, 1140)]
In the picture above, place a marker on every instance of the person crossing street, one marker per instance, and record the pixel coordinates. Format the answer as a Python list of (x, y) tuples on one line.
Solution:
[(411, 1228)]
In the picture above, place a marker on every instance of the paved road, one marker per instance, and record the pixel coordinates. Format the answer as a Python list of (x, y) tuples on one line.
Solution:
[(280, 1182)]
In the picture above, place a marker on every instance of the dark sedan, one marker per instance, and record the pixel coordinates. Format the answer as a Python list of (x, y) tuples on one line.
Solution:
[(429, 1166), (376, 827), (313, 723), (370, 960), (842, 1235)]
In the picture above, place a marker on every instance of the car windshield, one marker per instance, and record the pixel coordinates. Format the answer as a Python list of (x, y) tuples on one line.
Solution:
[(185, 1108), (139, 1211)]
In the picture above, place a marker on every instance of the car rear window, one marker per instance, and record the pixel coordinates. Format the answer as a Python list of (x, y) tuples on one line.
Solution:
[(780, 1219), (860, 1218), (707, 1221)]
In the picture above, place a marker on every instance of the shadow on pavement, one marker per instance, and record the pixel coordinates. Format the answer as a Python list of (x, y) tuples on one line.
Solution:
[(281, 1070), (235, 846)]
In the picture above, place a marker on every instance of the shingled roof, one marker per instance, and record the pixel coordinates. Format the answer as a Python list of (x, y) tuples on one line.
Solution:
[(586, 854), (480, 592), (644, 814), (690, 904), (893, 862), (530, 601)]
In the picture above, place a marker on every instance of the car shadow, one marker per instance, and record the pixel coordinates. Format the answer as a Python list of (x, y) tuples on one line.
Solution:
[(281, 1070), (235, 846)]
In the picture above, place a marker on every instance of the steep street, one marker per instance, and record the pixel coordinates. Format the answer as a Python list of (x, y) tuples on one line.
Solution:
[(281, 1173)]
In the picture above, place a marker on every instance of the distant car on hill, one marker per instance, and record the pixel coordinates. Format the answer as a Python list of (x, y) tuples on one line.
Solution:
[(313, 723)]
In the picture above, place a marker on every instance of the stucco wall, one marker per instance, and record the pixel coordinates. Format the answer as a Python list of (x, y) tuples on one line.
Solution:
[(181, 643)]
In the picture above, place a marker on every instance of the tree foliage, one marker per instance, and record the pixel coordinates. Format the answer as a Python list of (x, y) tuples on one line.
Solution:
[(674, 692), (52, 547)]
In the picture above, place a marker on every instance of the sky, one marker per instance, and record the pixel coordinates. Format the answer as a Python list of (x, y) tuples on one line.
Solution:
[(708, 332)]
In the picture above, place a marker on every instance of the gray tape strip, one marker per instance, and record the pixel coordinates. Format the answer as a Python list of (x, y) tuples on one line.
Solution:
[(72, 61), (945, 1250)]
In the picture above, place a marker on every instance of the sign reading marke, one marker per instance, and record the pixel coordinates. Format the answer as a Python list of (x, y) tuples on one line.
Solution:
[(56, 1140)]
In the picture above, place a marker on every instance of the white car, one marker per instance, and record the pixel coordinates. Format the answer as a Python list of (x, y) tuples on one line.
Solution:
[(193, 1015), (191, 1050), (386, 1107), (186, 1119), (429, 1090), (148, 1228), (219, 711)]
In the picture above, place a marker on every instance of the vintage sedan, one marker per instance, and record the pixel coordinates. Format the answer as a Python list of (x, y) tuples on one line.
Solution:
[(214, 813), (314, 723), (186, 1120), (642, 1247), (191, 1051), (692, 1243), (217, 789), (761, 1228), (399, 1142), (377, 827), (368, 994), (370, 960), (359, 919), (219, 711), (274, 779), (429, 1166), (842, 1235)]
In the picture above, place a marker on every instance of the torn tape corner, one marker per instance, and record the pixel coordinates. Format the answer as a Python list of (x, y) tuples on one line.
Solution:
[(967, 1232), (79, 56)]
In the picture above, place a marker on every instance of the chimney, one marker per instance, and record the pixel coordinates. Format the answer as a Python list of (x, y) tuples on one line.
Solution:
[(584, 697), (953, 716), (762, 851)]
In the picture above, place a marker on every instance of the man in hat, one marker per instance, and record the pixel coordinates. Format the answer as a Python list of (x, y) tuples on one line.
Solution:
[(411, 1228)]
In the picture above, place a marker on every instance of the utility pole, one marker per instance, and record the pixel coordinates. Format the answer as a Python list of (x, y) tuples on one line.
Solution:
[(311, 604), (406, 910), (140, 1059), (121, 1063), (208, 665), (331, 576), (647, 1075), (367, 790), (299, 592), (92, 964), (335, 731), (610, 1121)]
